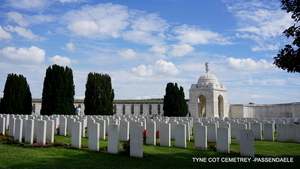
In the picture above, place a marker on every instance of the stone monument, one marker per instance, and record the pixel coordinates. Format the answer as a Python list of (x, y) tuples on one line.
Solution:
[(208, 98)]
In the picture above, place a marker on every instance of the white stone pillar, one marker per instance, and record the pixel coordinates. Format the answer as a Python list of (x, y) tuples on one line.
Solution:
[(151, 133), (41, 132), (50, 131), (180, 136), (18, 130), (29, 131), (76, 135), (165, 134), (113, 138)]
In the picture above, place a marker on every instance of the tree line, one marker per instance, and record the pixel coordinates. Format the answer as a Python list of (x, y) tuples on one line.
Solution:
[(59, 90)]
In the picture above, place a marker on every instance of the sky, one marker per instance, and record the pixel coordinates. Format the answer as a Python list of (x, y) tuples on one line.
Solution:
[(145, 44)]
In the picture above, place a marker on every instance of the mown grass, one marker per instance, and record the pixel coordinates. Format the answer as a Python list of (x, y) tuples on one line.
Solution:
[(154, 156)]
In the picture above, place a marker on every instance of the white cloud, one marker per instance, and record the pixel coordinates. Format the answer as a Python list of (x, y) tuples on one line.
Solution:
[(146, 29), (273, 82), (159, 49), (32, 55), (248, 64), (160, 68), (61, 60), (38, 19), (28, 4), (100, 21), (26, 33), (194, 36), (4, 34), (261, 21), (181, 50), (18, 18), (127, 53), (69, 47)]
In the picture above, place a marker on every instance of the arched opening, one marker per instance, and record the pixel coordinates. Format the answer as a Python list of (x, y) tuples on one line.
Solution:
[(202, 106), (220, 106)]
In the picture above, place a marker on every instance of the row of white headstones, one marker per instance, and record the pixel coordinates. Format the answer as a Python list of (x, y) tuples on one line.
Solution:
[(41, 129)]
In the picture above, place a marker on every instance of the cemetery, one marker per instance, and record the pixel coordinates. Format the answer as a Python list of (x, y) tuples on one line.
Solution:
[(224, 133), (176, 132)]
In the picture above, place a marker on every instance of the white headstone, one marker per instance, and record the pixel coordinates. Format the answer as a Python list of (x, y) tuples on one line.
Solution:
[(113, 138), (211, 132), (180, 137), (240, 126), (165, 134), (200, 137), (76, 135), (222, 140), (29, 131), (2, 125), (257, 131), (136, 141), (50, 131), (93, 136), (41, 132), (269, 131), (151, 133), (281, 132), (247, 143), (124, 130), (18, 130)]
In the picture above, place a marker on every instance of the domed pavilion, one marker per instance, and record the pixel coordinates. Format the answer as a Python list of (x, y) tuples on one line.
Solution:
[(208, 98)]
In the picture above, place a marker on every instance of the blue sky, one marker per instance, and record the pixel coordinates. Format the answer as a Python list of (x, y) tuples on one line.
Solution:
[(144, 44)]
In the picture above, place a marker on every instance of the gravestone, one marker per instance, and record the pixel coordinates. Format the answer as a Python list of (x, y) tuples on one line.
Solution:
[(290, 132), (113, 138), (18, 130), (247, 143), (124, 130), (136, 141), (180, 137), (165, 134), (151, 133), (200, 137), (76, 135), (29, 131), (93, 135), (223, 140), (269, 131), (281, 132), (257, 131), (2, 125), (240, 126), (41, 132), (50, 131), (211, 132)]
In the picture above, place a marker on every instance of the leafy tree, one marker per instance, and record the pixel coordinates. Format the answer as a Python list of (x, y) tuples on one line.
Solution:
[(58, 91), (174, 101), (99, 95), (288, 58), (16, 96)]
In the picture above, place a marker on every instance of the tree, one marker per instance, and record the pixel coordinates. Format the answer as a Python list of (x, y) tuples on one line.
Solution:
[(174, 101), (288, 58), (58, 92), (16, 96), (99, 95)]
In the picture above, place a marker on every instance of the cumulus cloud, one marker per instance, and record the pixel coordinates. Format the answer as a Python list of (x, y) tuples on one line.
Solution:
[(127, 53), (248, 64), (273, 82), (69, 47), (180, 50), (160, 68), (61, 60), (4, 34), (195, 36), (32, 55), (26, 33), (101, 21), (18, 18)]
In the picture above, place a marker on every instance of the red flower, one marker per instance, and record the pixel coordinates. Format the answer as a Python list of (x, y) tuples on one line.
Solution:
[(106, 134), (86, 127), (157, 134)]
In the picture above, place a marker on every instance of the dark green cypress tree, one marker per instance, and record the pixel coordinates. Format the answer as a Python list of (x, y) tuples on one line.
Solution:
[(99, 95), (16, 96), (58, 91), (174, 101)]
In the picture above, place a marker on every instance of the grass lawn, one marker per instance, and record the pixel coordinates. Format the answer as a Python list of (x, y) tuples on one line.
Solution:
[(154, 156)]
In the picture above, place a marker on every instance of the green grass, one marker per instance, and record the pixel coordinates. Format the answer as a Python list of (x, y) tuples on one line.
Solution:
[(155, 157)]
